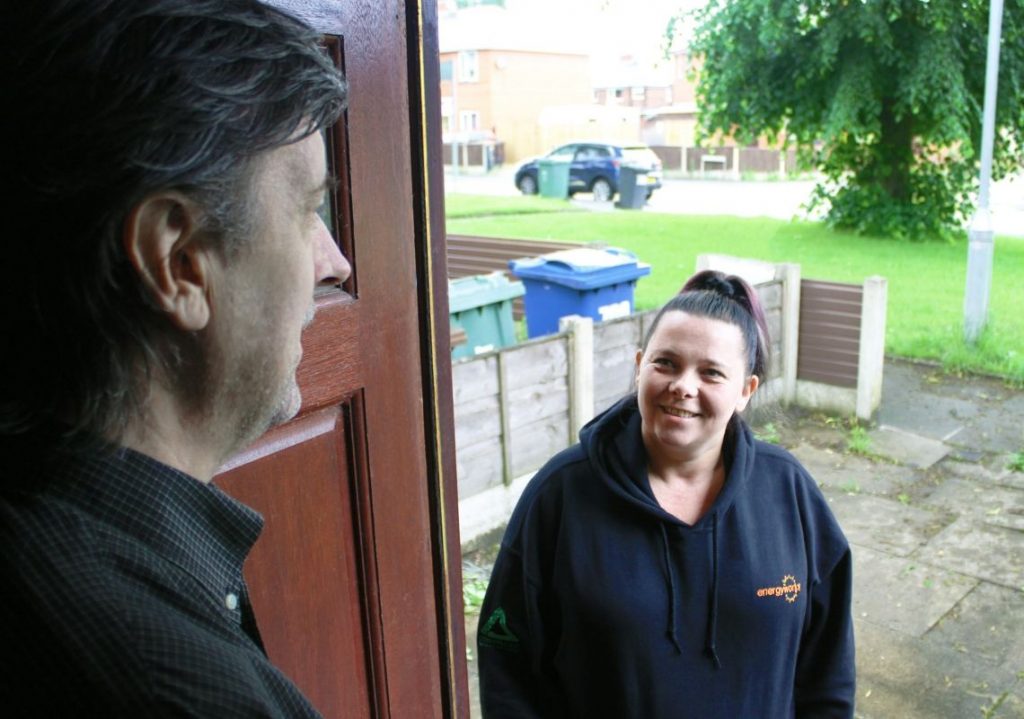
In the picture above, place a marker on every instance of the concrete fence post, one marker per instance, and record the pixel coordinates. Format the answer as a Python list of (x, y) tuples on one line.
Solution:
[(581, 371), (789, 273), (871, 359)]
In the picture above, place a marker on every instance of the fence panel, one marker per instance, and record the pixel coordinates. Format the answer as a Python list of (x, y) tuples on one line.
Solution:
[(830, 320), (478, 440)]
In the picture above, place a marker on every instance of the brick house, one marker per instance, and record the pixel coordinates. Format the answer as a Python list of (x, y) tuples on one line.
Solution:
[(500, 70)]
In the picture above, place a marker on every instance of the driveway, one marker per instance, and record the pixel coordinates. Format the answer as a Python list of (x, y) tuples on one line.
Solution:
[(778, 199)]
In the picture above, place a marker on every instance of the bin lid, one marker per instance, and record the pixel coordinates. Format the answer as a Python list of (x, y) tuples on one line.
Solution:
[(479, 290), (582, 268)]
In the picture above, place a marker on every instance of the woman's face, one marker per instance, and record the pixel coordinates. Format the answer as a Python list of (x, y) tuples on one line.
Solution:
[(690, 380)]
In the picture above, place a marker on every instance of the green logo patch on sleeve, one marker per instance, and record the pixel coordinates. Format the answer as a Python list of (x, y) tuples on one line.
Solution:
[(495, 632)]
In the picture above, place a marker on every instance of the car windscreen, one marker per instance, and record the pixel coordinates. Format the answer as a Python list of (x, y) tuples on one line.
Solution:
[(640, 155)]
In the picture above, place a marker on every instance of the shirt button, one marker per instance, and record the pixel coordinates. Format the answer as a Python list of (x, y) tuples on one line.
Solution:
[(231, 601)]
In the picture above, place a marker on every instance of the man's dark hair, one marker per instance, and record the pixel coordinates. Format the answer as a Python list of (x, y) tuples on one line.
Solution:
[(109, 101)]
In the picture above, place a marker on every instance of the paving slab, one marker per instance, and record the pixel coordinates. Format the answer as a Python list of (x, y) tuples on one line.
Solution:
[(978, 549), (1013, 407), (1010, 520), (987, 623), (966, 454), (909, 448), (1010, 479), (902, 594), (991, 470), (1012, 705), (907, 403), (989, 432), (852, 473), (978, 499), (883, 524), (998, 425), (900, 677)]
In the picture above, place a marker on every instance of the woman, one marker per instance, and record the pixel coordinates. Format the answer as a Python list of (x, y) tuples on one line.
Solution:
[(671, 565)]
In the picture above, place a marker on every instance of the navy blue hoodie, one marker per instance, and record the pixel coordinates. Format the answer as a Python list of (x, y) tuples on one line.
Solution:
[(602, 604)]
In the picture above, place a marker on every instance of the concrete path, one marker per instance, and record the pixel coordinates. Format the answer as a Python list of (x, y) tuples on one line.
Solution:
[(937, 524), (936, 520)]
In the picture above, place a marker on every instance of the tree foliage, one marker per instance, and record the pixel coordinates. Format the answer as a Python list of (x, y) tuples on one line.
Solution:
[(883, 97)]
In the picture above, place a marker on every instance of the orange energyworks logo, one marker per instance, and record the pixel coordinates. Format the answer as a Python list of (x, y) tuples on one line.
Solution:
[(789, 589)]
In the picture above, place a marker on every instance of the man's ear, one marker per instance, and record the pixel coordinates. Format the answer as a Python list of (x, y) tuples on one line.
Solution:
[(161, 242)]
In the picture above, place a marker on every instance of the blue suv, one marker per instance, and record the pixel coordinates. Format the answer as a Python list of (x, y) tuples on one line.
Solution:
[(595, 168)]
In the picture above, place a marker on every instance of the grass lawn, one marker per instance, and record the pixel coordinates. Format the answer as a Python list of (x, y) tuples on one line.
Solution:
[(487, 206), (926, 281)]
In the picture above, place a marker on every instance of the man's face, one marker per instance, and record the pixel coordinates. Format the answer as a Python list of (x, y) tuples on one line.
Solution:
[(262, 297)]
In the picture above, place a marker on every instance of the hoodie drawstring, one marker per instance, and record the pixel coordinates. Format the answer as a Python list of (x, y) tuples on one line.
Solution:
[(709, 646), (671, 631)]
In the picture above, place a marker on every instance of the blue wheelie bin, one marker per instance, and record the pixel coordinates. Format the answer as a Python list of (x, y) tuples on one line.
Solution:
[(586, 282)]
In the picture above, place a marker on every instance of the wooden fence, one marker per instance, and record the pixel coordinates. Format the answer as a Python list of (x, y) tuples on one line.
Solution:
[(483, 155), (731, 160)]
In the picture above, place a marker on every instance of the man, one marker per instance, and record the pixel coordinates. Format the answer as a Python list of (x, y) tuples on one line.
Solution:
[(164, 167)]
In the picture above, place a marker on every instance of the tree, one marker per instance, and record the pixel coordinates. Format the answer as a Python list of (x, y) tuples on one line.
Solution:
[(883, 97)]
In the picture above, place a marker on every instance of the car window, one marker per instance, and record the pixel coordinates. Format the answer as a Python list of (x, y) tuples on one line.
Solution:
[(565, 151), (586, 153), (602, 152)]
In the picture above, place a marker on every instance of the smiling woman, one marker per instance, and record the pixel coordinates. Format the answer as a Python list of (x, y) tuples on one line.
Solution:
[(671, 559)]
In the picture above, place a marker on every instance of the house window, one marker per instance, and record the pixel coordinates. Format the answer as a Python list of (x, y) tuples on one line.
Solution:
[(469, 120), (638, 94), (469, 67), (447, 114), (446, 70)]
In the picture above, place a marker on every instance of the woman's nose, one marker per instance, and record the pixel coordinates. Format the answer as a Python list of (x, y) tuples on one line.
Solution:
[(685, 383)]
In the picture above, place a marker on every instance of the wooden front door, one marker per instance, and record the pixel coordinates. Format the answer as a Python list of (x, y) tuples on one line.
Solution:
[(355, 581)]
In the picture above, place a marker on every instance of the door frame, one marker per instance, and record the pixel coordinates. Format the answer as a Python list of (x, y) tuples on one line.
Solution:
[(425, 141)]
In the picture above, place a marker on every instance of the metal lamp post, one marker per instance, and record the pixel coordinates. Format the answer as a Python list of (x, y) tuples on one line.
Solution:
[(980, 236)]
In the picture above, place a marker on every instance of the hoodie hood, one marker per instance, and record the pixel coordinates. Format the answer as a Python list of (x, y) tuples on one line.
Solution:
[(613, 442), (614, 445)]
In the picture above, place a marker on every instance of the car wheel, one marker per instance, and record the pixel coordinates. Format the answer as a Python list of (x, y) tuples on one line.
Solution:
[(528, 185), (602, 190)]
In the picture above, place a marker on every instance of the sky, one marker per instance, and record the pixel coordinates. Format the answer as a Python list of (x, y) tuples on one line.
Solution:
[(616, 27)]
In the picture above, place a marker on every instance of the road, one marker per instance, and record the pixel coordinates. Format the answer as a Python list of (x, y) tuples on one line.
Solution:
[(742, 198)]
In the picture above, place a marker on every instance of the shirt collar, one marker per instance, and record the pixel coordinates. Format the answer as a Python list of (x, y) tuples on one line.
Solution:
[(188, 522)]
